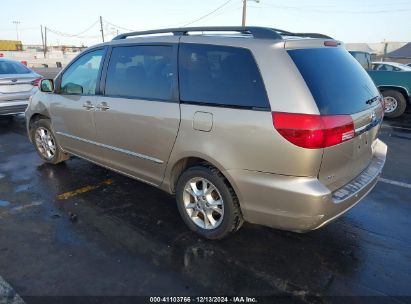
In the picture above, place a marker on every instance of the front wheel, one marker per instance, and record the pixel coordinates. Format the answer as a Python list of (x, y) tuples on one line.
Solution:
[(44, 141), (207, 203), (394, 103)]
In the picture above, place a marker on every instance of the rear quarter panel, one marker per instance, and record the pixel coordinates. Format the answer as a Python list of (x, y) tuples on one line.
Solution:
[(242, 139)]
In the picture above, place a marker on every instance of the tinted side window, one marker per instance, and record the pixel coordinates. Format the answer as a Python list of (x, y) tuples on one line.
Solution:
[(220, 75), (140, 72), (82, 76)]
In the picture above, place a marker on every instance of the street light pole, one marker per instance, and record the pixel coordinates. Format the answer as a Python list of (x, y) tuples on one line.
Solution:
[(245, 11), (17, 28)]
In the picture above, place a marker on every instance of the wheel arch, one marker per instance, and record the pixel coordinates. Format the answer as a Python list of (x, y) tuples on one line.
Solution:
[(33, 117), (37, 109), (37, 116), (185, 162), (400, 89)]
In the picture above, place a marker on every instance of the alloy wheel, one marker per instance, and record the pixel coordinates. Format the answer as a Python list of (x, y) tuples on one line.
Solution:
[(203, 203), (45, 143)]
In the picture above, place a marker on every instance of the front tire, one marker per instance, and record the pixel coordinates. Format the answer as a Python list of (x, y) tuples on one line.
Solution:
[(207, 203), (45, 142), (395, 103)]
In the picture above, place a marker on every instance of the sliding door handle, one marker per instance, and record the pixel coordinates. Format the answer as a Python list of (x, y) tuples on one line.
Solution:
[(88, 105), (103, 106)]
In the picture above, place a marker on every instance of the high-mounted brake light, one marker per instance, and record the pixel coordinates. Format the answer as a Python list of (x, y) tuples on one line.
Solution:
[(314, 131), (35, 82), (331, 43)]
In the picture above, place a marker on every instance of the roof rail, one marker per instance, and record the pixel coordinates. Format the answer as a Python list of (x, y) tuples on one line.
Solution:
[(256, 31)]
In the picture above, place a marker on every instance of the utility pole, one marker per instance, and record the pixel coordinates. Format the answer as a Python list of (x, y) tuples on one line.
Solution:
[(245, 11), (45, 41), (17, 28), (42, 40), (385, 50), (101, 28)]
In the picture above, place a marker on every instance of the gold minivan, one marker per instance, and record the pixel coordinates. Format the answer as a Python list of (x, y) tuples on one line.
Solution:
[(240, 123)]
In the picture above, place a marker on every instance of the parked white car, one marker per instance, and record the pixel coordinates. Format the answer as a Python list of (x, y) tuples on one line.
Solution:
[(390, 66)]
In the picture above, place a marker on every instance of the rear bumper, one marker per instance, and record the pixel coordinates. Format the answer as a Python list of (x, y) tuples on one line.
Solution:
[(301, 203), (13, 107)]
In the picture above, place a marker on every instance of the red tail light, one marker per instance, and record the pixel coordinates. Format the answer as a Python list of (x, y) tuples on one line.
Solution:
[(35, 82), (314, 131)]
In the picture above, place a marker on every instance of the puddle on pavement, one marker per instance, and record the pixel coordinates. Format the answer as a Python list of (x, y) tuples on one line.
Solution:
[(22, 188), (4, 203), (27, 206)]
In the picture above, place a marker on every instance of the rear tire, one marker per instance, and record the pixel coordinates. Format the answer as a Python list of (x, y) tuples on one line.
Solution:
[(207, 203), (395, 103), (44, 140)]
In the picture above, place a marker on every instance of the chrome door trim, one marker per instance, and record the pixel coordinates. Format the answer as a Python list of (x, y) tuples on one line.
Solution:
[(142, 156)]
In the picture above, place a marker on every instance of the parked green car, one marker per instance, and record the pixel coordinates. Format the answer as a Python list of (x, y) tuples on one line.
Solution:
[(395, 86)]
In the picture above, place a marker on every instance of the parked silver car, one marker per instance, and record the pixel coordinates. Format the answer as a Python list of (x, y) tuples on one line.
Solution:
[(17, 84), (248, 123)]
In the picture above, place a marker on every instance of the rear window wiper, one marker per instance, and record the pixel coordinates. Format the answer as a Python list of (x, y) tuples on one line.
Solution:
[(370, 101)]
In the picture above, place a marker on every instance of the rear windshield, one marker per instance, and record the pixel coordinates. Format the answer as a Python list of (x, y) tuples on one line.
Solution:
[(11, 67), (338, 83)]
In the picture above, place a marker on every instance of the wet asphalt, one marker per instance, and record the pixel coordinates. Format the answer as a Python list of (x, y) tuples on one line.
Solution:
[(120, 237)]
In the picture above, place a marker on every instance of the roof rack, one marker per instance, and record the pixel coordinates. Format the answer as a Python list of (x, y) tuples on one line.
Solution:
[(255, 31)]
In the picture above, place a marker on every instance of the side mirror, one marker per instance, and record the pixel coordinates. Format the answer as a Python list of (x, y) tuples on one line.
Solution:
[(72, 88), (47, 85)]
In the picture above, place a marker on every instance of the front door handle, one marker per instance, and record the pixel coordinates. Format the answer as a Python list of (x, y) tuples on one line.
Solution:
[(88, 105), (103, 106)]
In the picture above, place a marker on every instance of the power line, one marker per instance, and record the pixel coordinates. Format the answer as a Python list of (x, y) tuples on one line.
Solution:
[(230, 9), (188, 23), (325, 11), (208, 14), (375, 6), (78, 35), (117, 26)]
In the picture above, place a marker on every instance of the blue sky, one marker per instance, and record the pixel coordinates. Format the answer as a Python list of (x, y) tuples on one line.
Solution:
[(346, 20)]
